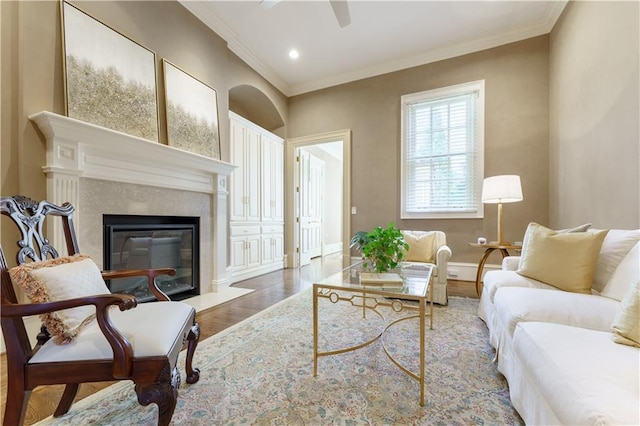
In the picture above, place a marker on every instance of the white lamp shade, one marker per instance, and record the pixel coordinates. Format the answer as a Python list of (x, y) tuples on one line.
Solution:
[(501, 189)]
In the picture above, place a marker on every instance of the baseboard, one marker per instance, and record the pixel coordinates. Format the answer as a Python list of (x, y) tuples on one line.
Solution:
[(467, 271), (254, 272), (457, 270), (331, 248)]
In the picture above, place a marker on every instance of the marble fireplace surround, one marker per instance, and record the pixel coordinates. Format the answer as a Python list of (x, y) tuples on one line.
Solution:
[(101, 171)]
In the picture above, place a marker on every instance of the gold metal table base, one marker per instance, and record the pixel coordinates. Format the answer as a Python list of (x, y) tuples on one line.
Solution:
[(488, 249), (327, 292)]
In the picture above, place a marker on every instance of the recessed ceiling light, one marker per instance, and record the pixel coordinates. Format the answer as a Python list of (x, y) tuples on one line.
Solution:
[(293, 54)]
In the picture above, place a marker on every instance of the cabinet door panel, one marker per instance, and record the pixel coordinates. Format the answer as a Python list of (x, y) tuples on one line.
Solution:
[(253, 251), (267, 249), (238, 253), (278, 181), (278, 247), (238, 198), (267, 179), (252, 174)]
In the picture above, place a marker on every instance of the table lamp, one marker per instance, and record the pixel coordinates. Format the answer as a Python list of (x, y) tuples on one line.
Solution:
[(498, 190)]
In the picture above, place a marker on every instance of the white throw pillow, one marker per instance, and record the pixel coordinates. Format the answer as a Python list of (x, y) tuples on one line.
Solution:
[(615, 247), (627, 272), (62, 279), (626, 325)]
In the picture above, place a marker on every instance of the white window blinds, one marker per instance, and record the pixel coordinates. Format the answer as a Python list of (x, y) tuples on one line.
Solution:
[(442, 147)]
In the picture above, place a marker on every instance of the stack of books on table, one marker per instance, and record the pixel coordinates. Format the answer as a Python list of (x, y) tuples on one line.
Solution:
[(378, 279)]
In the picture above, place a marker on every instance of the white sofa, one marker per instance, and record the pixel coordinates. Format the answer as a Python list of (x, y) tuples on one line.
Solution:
[(430, 247), (556, 348)]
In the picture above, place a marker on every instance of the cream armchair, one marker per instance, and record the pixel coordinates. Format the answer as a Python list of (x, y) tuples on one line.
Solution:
[(430, 247)]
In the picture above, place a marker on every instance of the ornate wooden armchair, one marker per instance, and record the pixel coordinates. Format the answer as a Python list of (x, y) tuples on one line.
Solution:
[(135, 342)]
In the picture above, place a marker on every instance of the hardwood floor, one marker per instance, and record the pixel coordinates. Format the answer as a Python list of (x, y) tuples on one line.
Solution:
[(269, 290)]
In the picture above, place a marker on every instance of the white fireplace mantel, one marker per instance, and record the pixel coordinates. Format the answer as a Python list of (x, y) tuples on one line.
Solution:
[(76, 149)]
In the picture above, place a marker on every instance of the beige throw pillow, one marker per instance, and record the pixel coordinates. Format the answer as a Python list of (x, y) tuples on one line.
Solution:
[(626, 325), (61, 279), (421, 246), (564, 260), (580, 228)]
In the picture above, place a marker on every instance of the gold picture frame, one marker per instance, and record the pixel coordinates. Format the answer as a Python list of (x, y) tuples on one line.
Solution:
[(109, 79), (192, 112)]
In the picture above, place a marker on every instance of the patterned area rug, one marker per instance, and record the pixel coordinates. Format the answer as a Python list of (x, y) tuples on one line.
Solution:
[(260, 371)]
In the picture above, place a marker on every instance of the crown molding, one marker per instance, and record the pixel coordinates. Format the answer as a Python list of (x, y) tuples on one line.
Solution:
[(489, 41), (235, 44), (553, 13)]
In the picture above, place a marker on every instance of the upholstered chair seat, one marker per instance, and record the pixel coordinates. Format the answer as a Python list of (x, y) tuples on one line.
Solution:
[(153, 329)]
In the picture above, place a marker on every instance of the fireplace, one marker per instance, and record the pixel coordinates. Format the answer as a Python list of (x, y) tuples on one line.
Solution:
[(143, 242), (104, 172)]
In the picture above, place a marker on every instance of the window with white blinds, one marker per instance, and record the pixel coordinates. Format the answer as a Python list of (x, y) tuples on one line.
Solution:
[(442, 152)]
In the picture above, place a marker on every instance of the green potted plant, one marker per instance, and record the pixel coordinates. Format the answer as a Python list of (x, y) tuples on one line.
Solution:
[(382, 248)]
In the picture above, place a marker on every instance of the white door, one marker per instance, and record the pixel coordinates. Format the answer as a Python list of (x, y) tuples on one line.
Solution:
[(311, 182)]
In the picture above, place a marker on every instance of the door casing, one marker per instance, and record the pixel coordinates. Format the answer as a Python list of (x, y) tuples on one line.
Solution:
[(292, 238)]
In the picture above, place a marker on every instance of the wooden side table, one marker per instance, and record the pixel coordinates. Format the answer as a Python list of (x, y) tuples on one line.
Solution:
[(489, 248)]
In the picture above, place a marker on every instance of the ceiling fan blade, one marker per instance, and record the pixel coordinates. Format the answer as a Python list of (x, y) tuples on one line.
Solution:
[(341, 10)]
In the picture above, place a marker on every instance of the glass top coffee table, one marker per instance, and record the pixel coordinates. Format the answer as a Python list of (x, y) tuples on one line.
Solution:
[(398, 293)]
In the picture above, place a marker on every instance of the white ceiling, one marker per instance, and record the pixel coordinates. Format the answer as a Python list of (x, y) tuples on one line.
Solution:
[(383, 36)]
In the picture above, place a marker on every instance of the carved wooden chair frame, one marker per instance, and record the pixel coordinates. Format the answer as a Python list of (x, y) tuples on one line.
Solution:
[(155, 381)]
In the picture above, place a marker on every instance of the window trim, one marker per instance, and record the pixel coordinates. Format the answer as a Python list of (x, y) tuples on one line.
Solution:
[(434, 94)]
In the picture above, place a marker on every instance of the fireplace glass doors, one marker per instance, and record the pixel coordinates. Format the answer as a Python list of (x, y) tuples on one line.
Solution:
[(143, 242)]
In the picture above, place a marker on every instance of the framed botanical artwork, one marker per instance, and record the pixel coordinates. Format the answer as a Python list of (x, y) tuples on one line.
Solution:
[(192, 113), (110, 80)]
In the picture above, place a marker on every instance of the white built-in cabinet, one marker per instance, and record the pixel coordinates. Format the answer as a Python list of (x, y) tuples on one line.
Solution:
[(257, 200)]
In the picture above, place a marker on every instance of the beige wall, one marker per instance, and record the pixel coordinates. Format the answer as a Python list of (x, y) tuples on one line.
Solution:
[(595, 116), (8, 92), (31, 50), (584, 76), (516, 136), (8, 95), (32, 75)]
